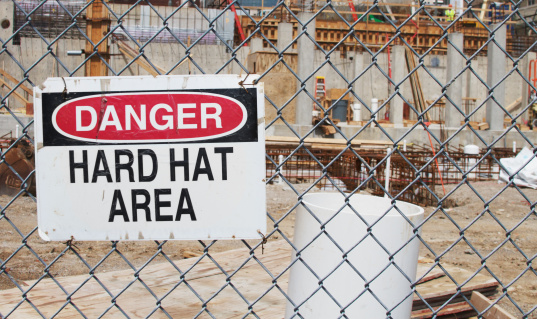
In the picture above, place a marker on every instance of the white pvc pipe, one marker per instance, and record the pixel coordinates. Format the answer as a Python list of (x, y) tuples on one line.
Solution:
[(17, 131), (404, 145), (514, 147), (369, 258), (374, 107), (357, 112), (280, 161), (387, 173)]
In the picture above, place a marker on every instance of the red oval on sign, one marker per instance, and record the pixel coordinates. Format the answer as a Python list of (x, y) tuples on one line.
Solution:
[(149, 117)]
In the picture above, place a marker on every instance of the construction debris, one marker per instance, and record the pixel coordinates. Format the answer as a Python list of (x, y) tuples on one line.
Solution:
[(17, 166), (442, 298), (523, 166)]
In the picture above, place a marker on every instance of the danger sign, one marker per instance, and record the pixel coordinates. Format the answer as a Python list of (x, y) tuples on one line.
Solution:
[(171, 157)]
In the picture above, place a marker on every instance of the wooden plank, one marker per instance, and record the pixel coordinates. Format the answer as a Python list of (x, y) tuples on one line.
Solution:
[(97, 25), (15, 93), (513, 106), (354, 142), (483, 10), (334, 94), (132, 53), (328, 129), (438, 292), (417, 94), (451, 309), (481, 303), (139, 62), (12, 79), (434, 274)]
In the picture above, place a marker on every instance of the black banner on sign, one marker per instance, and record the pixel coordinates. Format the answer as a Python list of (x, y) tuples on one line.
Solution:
[(53, 137)]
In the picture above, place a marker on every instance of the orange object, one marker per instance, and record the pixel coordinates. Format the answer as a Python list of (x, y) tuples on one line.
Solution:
[(532, 75)]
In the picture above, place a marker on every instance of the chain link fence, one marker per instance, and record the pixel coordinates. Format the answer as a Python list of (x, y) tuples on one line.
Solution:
[(361, 98)]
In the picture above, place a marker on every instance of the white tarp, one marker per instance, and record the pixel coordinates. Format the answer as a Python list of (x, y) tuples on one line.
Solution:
[(526, 162)]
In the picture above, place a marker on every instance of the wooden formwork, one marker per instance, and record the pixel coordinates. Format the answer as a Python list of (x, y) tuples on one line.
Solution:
[(374, 35)]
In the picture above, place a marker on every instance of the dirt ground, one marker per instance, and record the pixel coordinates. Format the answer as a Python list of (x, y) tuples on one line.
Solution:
[(504, 240)]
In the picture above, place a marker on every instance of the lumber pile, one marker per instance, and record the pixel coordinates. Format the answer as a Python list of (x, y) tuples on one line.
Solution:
[(415, 84), (436, 289), (481, 126), (326, 143)]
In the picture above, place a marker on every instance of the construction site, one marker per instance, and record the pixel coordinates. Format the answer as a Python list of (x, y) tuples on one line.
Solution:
[(402, 100), (371, 53)]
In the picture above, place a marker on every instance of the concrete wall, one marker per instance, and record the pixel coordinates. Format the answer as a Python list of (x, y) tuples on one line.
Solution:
[(374, 84), (211, 58)]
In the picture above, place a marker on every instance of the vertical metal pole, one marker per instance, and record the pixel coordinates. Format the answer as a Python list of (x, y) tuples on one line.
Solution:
[(387, 173)]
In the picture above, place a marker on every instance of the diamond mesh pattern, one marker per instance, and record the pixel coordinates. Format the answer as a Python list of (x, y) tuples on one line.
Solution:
[(472, 223)]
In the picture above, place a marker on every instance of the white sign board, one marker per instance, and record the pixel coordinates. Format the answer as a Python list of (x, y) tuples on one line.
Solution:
[(167, 157)]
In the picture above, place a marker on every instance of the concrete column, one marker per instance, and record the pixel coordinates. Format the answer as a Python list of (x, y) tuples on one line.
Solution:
[(358, 67), (362, 86), (285, 35), (366, 85), (256, 45), (6, 20), (399, 71), (495, 72), (305, 67), (525, 65), (470, 90), (455, 63)]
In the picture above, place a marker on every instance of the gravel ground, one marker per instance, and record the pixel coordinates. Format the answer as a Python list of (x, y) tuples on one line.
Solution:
[(503, 239)]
